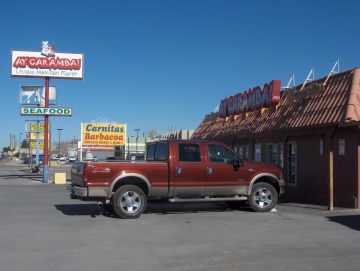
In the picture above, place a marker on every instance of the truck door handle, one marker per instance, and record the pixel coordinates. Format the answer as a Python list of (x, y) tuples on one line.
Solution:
[(178, 170), (252, 170), (209, 170)]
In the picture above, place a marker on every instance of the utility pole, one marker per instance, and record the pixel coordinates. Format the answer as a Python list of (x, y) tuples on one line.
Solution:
[(59, 143), (137, 136)]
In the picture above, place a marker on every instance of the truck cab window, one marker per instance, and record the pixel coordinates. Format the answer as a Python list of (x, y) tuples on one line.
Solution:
[(221, 154), (161, 152), (157, 152), (189, 153)]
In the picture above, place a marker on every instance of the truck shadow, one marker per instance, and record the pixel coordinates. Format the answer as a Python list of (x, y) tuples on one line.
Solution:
[(83, 209), (164, 207), (153, 207), (350, 221)]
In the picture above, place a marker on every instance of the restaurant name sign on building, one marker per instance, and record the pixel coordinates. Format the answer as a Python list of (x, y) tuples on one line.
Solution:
[(309, 91), (250, 100)]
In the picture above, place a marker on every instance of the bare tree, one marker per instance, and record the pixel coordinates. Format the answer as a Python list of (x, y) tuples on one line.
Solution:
[(64, 146), (152, 133)]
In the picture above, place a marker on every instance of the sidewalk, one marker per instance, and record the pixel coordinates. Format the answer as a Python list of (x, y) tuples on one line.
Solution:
[(15, 172), (304, 207), (20, 163)]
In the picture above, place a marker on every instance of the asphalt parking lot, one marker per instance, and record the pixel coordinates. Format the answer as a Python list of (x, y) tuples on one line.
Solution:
[(42, 229)]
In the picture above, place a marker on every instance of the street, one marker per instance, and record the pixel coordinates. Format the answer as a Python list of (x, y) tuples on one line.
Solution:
[(41, 228)]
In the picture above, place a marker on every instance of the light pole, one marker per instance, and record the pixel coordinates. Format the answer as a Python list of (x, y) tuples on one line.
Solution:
[(14, 142), (59, 142), (137, 136), (20, 141), (20, 144)]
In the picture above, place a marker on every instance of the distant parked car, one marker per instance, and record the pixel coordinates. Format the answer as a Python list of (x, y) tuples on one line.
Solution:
[(72, 159), (95, 159), (62, 160), (33, 159)]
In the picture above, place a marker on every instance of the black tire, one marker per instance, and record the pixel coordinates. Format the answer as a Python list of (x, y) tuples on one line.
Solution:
[(263, 197), (129, 201), (237, 204)]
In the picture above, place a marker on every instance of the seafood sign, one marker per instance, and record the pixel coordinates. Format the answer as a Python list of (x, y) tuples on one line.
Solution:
[(42, 111)]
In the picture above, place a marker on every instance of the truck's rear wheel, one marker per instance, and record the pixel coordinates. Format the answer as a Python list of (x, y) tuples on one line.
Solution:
[(263, 197), (129, 201)]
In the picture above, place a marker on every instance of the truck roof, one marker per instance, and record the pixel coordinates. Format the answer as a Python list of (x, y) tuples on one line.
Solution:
[(185, 140)]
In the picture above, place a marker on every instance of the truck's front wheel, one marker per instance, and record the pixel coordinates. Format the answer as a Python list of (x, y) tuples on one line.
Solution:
[(263, 197), (129, 201)]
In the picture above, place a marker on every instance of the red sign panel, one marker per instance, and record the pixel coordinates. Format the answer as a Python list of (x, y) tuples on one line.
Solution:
[(250, 100)]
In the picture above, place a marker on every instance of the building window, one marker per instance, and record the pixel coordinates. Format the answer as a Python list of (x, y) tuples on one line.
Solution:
[(341, 146), (292, 164), (257, 152), (243, 151), (119, 152), (275, 154)]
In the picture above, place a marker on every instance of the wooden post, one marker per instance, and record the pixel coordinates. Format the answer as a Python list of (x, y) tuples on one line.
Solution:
[(331, 179), (331, 169)]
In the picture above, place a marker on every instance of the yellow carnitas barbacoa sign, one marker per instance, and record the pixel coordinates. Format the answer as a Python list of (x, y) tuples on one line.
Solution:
[(103, 134)]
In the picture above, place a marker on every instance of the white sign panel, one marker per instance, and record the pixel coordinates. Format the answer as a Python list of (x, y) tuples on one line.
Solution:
[(33, 95), (47, 64)]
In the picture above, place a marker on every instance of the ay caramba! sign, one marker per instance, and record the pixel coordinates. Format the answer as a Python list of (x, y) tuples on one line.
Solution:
[(47, 63)]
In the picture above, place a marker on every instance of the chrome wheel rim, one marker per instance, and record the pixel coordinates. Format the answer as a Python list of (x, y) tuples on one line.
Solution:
[(263, 197), (130, 202)]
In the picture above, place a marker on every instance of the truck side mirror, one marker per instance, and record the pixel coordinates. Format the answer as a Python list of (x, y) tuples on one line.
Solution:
[(238, 163), (241, 161)]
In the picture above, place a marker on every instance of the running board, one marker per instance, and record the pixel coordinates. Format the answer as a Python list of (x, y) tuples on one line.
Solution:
[(207, 198)]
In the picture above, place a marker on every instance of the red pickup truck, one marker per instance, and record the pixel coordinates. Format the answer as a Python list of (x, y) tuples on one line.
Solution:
[(179, 171)]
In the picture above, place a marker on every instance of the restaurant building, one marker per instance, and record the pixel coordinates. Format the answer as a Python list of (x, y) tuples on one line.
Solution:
[(311, 131)]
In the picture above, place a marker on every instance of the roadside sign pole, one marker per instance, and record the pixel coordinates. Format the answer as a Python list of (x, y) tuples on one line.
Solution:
[(46, 136), (44, 64), (37, 141)]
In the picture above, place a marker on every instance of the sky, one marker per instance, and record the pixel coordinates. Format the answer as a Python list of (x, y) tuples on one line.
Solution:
[(165, 64)]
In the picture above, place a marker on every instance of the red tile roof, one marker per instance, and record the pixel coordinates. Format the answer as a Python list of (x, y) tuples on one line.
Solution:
[(339, 102)]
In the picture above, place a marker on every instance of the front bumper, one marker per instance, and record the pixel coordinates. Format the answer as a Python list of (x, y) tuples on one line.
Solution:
[(282, 187)]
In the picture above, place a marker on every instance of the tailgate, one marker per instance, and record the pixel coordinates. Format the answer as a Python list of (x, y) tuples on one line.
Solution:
[(77, 173)]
